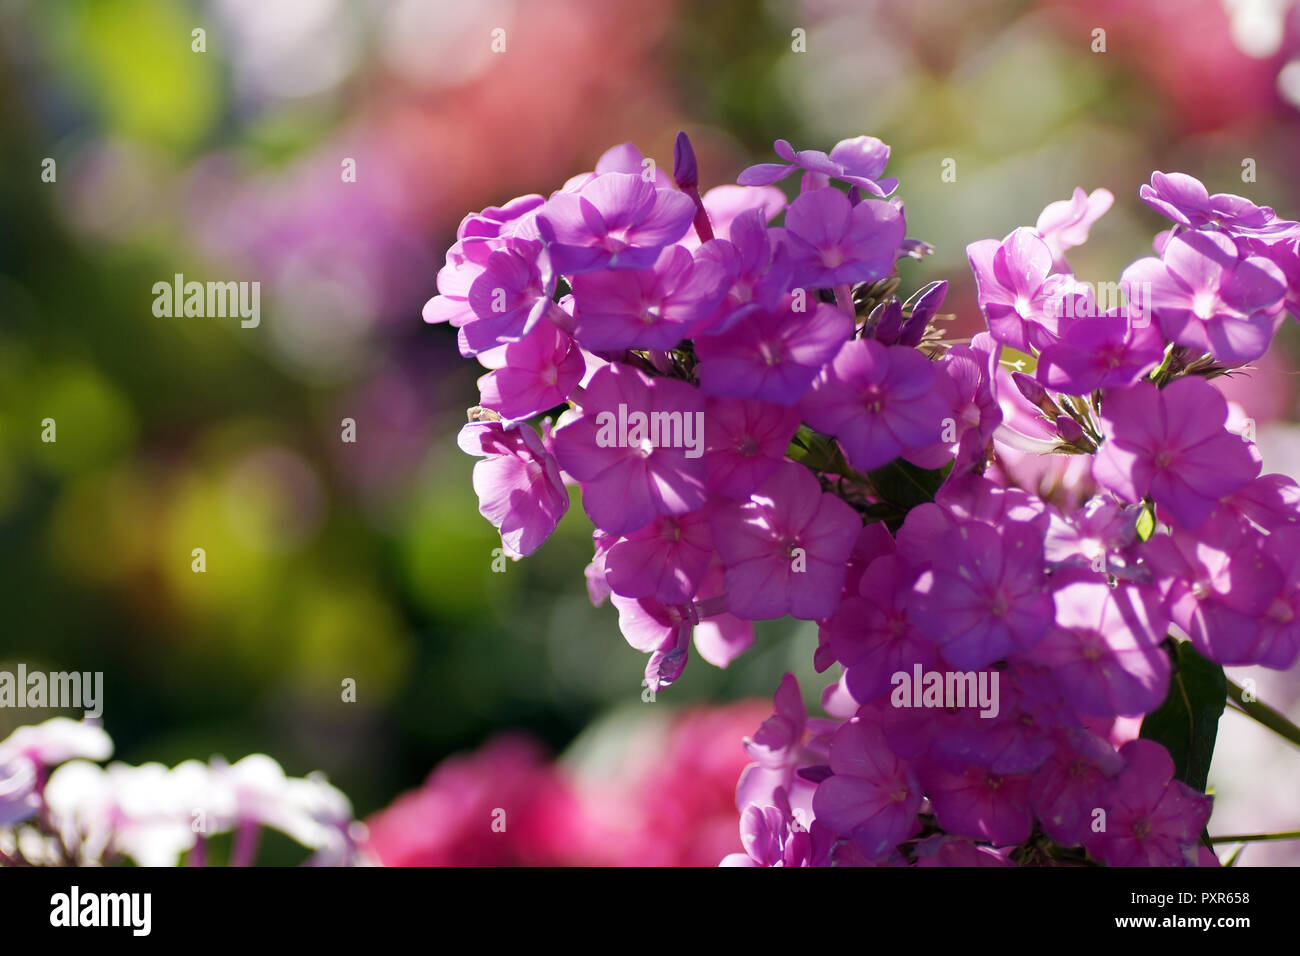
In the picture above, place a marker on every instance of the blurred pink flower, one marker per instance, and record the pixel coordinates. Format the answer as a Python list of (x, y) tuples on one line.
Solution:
[(450, 820)]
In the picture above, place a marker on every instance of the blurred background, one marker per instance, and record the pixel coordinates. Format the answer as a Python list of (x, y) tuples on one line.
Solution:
[(328, 560)]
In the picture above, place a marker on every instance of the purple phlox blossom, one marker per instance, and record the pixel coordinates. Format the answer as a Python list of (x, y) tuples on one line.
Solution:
[(1235, 594), (966, 498), (664, 630), (1186, 201), (1269, 502), (665, 560), (984, 593), (617, 221), (832, 242), (1007, 730), (1104, 646), (661, 630), (598, 588), (517, 482), (653, 308), (532, 375), (725, 204), (1284, 252), (978, 803), (623, 158), (785, 548), (787, 743), (871, 635), (1025, 304), (478, 236), (747, 440), (773, 355), (1170, 444), (1151, 818), (873, 541), (758, 273), (858, 162), (628, 479), (720, 636), (1108, 351), (1070, 783), (877, 400), (1098, 535), (1065, 224), (975, 415), (873, 797), (1207, 295), (772, 836), (510, 297)]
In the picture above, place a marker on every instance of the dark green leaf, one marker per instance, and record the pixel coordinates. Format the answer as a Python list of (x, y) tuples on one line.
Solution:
[(905, 485), (1187, 723)]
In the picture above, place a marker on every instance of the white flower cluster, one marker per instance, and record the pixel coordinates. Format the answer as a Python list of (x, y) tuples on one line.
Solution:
[(58, 806)]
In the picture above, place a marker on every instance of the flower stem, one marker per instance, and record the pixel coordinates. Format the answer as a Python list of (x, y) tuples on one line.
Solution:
[(1264, 714), (1256, 837)]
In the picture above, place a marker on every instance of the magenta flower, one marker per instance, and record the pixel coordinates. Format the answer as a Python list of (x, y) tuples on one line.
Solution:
[(518, 484), (873, 797), (1171, 444), (877, 400), (617, 221), (772, 355), (1074, 779), (1208, 296), (1232, 593), (511, 295), (665, 560), (1065, 224), (785, 548), (771, 837), (758, 277), (984, 593), (479, 235), (1104, 647), (747, 440), (1104, 352), (830, 241), (1151, 818), (532, 375), (979, 804), (1187, 202), (636, 450), (651, 308), (1021, 300), (858, 162), (871, 635), (623, 158)]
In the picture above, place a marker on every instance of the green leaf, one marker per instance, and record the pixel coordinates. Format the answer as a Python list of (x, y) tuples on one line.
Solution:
[(1146, 524), (1187, 723), (905, 485), (816, 451)]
